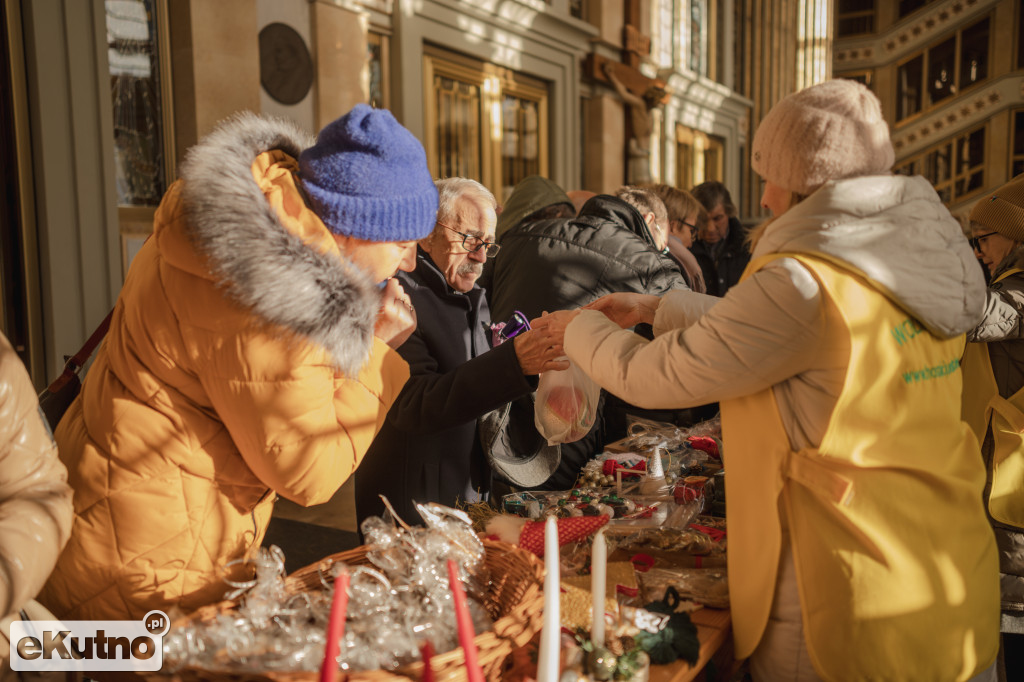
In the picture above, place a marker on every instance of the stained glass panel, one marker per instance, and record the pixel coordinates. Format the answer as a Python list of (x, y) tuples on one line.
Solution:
[(135, 89)]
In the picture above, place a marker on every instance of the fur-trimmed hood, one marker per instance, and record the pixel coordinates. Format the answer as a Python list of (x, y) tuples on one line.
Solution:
[(252, 254)]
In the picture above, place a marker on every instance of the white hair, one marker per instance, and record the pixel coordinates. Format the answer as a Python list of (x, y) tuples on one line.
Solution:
[(451, 190)]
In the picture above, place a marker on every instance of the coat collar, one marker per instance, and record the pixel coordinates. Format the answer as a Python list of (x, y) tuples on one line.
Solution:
[(605, 208), (428, 275)]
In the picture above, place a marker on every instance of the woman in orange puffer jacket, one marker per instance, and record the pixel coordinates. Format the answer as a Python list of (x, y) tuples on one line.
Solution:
[(249, 356)]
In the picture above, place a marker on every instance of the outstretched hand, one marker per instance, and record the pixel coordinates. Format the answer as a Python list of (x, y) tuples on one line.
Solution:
[(627, 309), (538, 351), (396, 320), (554, 324)]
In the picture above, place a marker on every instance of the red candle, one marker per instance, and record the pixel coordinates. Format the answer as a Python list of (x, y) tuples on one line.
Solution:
[(335, 627), (465, 624), (427, 651)]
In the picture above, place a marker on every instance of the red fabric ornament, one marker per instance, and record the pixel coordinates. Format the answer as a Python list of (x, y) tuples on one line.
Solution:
[(610, 466), (705, 443), (716, 534), (570, 529)]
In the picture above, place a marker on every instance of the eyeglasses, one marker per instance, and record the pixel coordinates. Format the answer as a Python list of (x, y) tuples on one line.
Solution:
[(975, 242), (693, 228), (472, 243)]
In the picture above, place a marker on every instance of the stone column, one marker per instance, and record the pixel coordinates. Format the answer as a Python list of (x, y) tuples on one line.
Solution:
[(215, 64), (340, 55), (605, 170)]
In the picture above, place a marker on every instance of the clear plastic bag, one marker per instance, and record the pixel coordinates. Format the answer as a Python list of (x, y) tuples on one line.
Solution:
[(708, 586), (566, 405)]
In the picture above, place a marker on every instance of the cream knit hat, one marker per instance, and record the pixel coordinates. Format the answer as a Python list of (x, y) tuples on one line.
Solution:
[(828, 131), (1003, 210)]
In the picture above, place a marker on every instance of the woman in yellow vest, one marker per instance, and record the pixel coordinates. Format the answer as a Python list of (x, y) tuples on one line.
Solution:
[(859, 547), (994, 399)]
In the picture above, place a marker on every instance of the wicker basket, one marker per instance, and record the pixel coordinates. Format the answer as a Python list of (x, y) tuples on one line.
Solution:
[(514, 599)]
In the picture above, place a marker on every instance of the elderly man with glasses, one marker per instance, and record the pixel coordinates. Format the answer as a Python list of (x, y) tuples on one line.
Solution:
[(429, 449)]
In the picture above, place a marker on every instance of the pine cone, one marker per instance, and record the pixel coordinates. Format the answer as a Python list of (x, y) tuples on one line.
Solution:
[(615, 646)]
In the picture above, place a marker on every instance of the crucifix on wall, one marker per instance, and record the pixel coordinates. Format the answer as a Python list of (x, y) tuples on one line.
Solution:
[(641, 96)]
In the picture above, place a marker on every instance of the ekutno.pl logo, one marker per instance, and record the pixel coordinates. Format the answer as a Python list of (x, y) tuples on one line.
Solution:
[(89, 645)]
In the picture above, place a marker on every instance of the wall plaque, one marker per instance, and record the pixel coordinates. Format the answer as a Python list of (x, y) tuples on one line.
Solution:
[(286, 67)]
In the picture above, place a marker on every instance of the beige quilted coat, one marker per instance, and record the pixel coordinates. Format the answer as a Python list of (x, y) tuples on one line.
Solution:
[(35, 501)]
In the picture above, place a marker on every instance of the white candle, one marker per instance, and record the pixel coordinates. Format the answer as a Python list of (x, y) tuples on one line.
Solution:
[(550, 638), (598, 568)]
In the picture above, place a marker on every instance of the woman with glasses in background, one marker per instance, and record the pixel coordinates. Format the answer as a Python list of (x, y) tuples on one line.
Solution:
[(994, 399), (686, 216)]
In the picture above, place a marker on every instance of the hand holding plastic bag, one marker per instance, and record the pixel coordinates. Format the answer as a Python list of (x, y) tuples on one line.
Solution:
[(566, 405)]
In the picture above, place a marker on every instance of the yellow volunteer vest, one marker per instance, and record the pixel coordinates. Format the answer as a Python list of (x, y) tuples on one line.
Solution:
[(895, 560), (983, 408)]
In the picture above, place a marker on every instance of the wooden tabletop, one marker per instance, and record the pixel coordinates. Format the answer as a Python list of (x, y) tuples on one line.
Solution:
[(714, 629)]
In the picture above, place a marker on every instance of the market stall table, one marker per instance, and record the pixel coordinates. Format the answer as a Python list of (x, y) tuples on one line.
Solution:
[(714, 629)]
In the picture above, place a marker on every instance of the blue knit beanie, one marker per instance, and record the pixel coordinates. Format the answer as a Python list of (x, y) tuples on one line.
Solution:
[(367, 177)]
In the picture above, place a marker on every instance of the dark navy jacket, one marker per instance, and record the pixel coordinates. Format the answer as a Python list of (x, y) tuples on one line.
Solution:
[(724, 271), (428, 449)]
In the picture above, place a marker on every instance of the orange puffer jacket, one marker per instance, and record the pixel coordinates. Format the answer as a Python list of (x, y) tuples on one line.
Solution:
[(240, 363)]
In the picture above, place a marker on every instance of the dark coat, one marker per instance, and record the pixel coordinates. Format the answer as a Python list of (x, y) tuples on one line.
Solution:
[(564, 263), (428, 449), (724, 271)]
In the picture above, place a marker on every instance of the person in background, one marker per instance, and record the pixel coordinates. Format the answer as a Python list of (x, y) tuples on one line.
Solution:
[(686, 217), (859, 548), (721, 248), (250, 355), (533, 198), (429, 449), (35, 503), (653, 211), (549, 264), (994, 399)]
